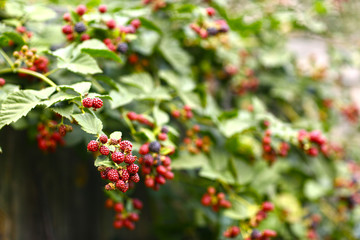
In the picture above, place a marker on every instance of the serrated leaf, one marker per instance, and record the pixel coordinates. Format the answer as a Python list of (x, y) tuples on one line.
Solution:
[(160, 116), (81, 63), (146, 42), (175, 55), (103, 161), (16, 105), (240, 210), (81, 87), (65, 110), (121, 97), (116, 135), (96, 48), (140, 80), (149, 25), (58, 97), (89, 123), (43, 93)]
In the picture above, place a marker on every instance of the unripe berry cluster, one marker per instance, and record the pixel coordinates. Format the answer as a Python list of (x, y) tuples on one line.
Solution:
[(155, 4), (215, 200), (209, 27), (261, 214), (48, 137), (232, 232), (22, 30), (185, 113), (269, 153), (134, 117), (94, 103), (125, 217), (155, 166), (266, 234), (31, 60), (351, 113), (316, 140), (195, 143)]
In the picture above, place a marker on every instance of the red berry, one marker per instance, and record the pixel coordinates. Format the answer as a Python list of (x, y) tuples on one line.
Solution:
[(269, 233), (125, 188), (67, 29), (135, 178), (130, 159), (104, 150), (137, 204), (221, 195), (118, 224), (103, 174), (136, 23), (128, 224), (162, 136), (111, 24), (189, 114), (118, 207), (21, 29), (126, 146), (87, 102), (134, 217), (175, 113), (210, 11), (206, 200), (80, 10), (85, 37), (235, 230), (211, 190), (144, 149), (113, 175), (2, 82), (146, 170), (266, 140), (120, 184), (102, 8), (169, 175), (125, 175), (67, 17), (160, 179), (224, 203), (313, 151), (187, 108), (97, 103), (103, 138), (161, 170), (93, 146), (109, 203), (133, 168), (132, 116), (149, 182), (267, 206), (118, 157)]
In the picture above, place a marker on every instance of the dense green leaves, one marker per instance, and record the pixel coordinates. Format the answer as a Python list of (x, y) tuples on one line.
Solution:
[(89, 123)]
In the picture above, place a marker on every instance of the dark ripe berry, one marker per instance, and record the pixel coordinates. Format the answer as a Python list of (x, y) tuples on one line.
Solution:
[(135, 178), (130, 159), (128, 224), (117, 157), (161, 170), (117, 224), (87, 102), (126, 146), (224, 28), (162, 136), (122, 47), (164, 130), (160, 179), (125, 188), (267, 206), (210, 11), (113, 175), (134, 217), (206, 200), (103, 138), (85, 37), (135, 23), (169, 175), (80, 10), (118, 207), (97, 103), (256, 234), (235, 230), (269, 233), (149, 182), (137, 204), (111, 24), (102, 9), (103, 174), (211, 31), (144, 149), (93, 146), (125, 175), (80, 27), (67, 17), (62, 130), (120, 184), (133, 168), (154, 147), (2, 82), (67, 29), (104, 150), (132, 116)]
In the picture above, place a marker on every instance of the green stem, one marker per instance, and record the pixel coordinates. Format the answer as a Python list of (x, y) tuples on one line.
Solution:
[(6, 57), (51, 72), (32, 73)]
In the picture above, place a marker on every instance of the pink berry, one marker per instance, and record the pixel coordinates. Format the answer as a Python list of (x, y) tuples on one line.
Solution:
[(67, 29), (97, 103), (2, 82), (87, 102), (210, 11), (81, 9), (67, 17), (113, 175), (135, 23), (104, 150), (111, 24), (103, 138), (103, 8)]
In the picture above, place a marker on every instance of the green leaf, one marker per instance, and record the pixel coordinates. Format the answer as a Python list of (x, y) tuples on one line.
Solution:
[(39, 13), (81, 87), (58, 97), (17, 105), (80, 63), (66, 110), (116, 135), (103, 161), (182, 83), (236, 125), (140, 80), (120, 97), (43, 93), (314, 190), (149, 25), (146, 42), (241, 209), (189, 161), (89, 123), (96, 48), (175, 55), (160, 116), (16, 37)]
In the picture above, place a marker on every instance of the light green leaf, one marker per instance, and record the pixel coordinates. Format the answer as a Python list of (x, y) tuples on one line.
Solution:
[(175, 55), (43, 93), (160, 116), (81, 63), (116, 135), (96, 48), (81, 87), (58, 97), (65, 110), (139, 80), (314, 190), (121, 97), (189, 161), (103, 161), (89, 123), (39, 13), (146, 42), (241, 209)]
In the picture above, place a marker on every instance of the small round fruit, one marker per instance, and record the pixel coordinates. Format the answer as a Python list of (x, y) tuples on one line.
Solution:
[(93, 146), (103, 138), (97, 103), (87, 102), (102, 8), (2, 82), (122, 47), (104, 150), (154, 147), (80, 27), (81, 9), (118, 157), (113, 175)]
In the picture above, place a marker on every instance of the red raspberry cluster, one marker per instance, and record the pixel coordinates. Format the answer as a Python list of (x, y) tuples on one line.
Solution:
[(185, 113), (155, 166), (22, 30), (317, 142), (311, 233), (48, 137), (132, 116), (232, 232), (269, 153), (267, 234), (215, 200), (351, 112), (125, 171), (125, 217), (156, 4), (77, 30), (94, 103), (261, 214), (2, 82), (194, 143)]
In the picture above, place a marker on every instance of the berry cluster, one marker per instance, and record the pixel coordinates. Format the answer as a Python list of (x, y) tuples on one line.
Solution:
[(267, 234), (311, 231), (185, 113), (155, 166), (232, 232), (77, 30), (248, 83), (269, 153), (125, 216), (132, 116), (351, 112), (2, 82), (94, 103), (316, 140), (48, 137), (215, 200), (156, 4), (125, 171), (28, 59), (194, 143), (22, 30), (261, 214)]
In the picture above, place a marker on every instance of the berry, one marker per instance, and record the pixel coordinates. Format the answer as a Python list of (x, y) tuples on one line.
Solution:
[(118, 207), (128, 224), (211, 190), (113, 175), (256, 234), (2, 82), (97, 103), (122, 47), (117, 224), (126, 146), (137, 204), (104, 150), (187, 108), (162, 136), (87, 102), (103, 174), (67, 17), (210, 11), (160, 179), (206, 200), (102, 9), (125, 175), (70, 37), (125, 188), (144, 149), (103, 138), (80, 27), (85, 37), (269, 233), (135, 178), (148, 160), (93, 146), (132, 116), (135, 23), (62, 130), (120, 184), (175, 113), (67, 29), (149, 182), (169, 175), (133, 168), (109, 203), (111, 24), (313, 152), (161, 170), (164, 130), (130, 159), (154, 147), (134, 217), (267, 206), (167, 161), (80, 10), (118, 157), (211, 31)]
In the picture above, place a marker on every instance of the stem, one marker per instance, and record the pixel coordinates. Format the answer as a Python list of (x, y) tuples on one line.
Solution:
[(6, 57), (51, 72), (32, 73)]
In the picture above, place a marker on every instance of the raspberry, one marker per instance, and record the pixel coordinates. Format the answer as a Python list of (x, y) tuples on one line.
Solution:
[(224, 203), (104, 150), (187, 108), (160, 179), (103, 174), (93, 146), (67, 17), (256, 234), (113, 175), (87, 102), (162, 136), (134, 217), (125, 188), (126, 146), (128, 224), (167, 161), (149, 182), (125, 175), (117, 224), (144, 149), (103, 138), (154, 147), (118, 207), (109, 203), (211, 31), (313, 152), (97, 103), (169, 175), (132, 116), (175, 113), (120, 184), (111, 24), (67, 29), (118, 157), (164, 130), (133, 168), (130, 159), (62, 130), (122, 47), (161, 170), (137, 204), (267, 206), (81, 9), (189, 114), (269, 233), (210, 11), (135, 23), (146, 170), (85, 37), (206, 200), (102, 9), (135, 178), (80, 27)]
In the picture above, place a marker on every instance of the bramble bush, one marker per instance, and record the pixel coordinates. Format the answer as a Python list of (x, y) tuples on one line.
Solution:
[(199, 98)]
